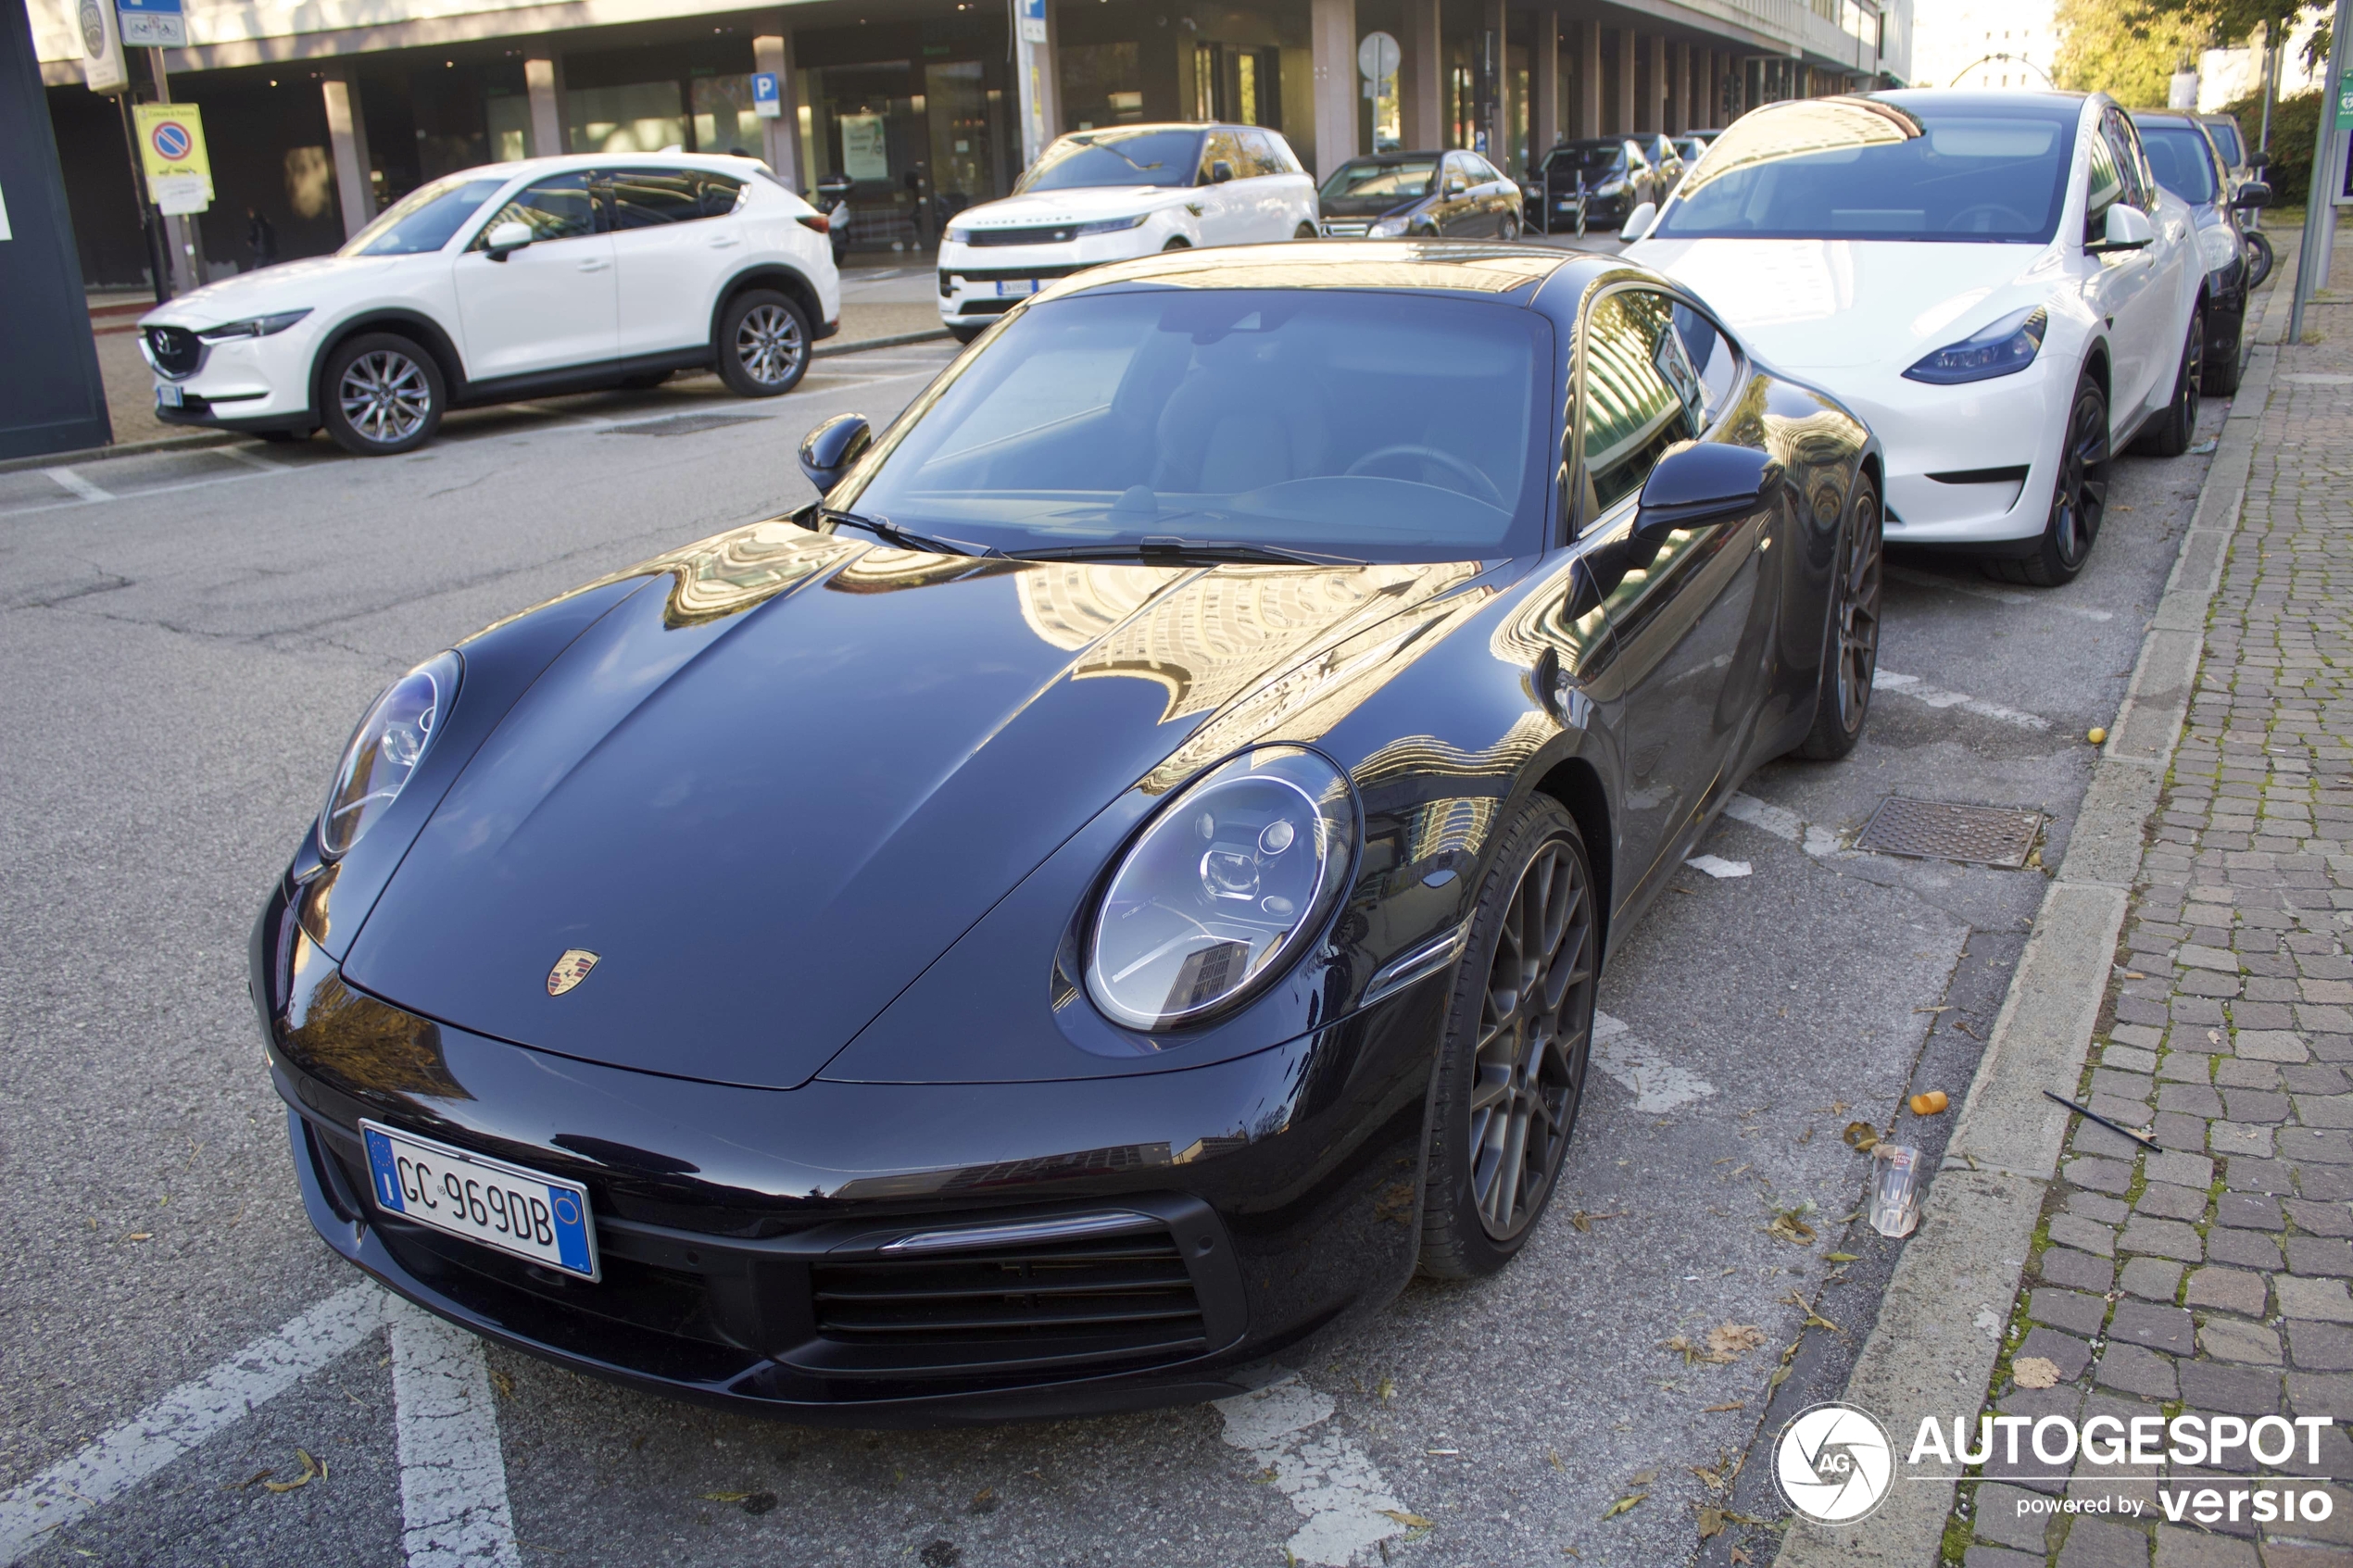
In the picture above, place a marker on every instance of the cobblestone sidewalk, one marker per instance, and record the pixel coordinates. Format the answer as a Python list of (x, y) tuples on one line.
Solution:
[(2212, 1277)]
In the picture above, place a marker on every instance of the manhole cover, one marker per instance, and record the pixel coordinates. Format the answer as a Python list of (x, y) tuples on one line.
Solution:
[(1935, 830), (686, 424)]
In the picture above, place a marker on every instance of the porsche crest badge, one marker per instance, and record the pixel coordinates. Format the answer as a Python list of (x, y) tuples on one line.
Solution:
[(570, 971)]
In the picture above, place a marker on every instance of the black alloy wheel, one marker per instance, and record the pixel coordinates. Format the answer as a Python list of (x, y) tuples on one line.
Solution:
[(1510, 1073), (763, 344), (1850, 650), (1507, 229), (384, 395), (2079, 497), (2170, 434)]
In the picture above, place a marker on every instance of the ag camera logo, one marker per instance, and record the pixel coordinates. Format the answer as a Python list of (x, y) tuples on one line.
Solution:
[(1833, 1463)]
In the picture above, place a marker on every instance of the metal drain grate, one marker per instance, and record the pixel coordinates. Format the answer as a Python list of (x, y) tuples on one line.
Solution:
[(1934, 830), (686, 424)]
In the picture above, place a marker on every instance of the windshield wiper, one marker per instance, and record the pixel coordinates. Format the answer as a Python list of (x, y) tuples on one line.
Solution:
[(1187, 552), (891, 533)]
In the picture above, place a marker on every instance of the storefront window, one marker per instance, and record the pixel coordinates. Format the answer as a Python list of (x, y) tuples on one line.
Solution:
[(724, 119), (643, 117), (1100, 85)]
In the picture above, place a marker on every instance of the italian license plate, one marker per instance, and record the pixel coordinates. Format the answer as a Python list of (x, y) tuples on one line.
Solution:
[(167, 394), (501, 1206), (1008, 288)]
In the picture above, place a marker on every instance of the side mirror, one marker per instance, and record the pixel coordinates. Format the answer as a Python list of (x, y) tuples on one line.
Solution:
[(1639, 221), (1454, 186), (2258, 161), (1220, 172), (1702, 484), (506, 238), (2128, 227), (827, 451), (2255, 192)]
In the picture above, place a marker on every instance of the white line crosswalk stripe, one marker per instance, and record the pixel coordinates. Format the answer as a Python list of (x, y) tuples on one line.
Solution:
[(74, 484), (1912, 686), (453, 1479)]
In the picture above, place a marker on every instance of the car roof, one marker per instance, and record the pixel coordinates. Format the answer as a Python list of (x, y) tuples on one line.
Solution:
[(2181, 118), (1973, 98), (1400, 157), (562, 163), (1400, 266)]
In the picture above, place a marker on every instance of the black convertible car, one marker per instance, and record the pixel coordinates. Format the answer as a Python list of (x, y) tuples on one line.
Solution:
[(1114, 887)]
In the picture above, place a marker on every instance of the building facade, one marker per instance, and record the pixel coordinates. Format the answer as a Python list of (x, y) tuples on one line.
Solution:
[(320, 112), (1981, 44)]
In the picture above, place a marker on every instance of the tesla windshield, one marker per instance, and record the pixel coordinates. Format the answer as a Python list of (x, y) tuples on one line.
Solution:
[(1115, 158), (2182, 161), (1866, 169), (1327, 424), (424, 219)]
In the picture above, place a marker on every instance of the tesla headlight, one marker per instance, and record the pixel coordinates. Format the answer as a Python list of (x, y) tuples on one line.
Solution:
[(1223, 888), (1111, 225), (1387, 228), (2004, 348), (385, 751), (257, 326)]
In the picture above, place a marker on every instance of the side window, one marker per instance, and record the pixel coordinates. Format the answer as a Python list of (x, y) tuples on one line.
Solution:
[(1711, 356), (1486, 172), (1641, 394), (649, 198), (719, 195), (1258, 156), (2124, 147), (559, 208), (1220, 146), (2104, 187), (1288, 159), (1634, 158)]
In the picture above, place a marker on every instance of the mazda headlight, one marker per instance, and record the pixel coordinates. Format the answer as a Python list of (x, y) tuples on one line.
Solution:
[(257, 326), (1223, 890), (1111, 225), (1387, 228), (385, 751), (2001, 349)]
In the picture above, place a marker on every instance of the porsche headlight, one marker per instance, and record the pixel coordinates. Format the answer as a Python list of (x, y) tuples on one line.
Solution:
[(2004, 348), (385, 751), (1223, 889), (1387, 228)]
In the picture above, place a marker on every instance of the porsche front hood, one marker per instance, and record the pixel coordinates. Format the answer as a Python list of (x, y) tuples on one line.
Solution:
[(772, 786)]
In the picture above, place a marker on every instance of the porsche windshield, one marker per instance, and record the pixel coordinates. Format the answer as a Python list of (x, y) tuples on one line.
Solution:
[(1367, 426), (1115, 158), (1864, 168)]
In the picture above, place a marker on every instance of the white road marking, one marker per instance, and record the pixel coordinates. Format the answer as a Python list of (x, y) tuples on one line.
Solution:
[(453, 1479), (1657, 1084), (1718, 867), (1783, 823), (1327, 1476), (1912, 686), (251, 460), (74, 484), (114, 1463), (2000, 595)]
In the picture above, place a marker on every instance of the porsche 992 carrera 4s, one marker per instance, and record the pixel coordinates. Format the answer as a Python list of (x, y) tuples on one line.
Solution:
[(1111, 890)]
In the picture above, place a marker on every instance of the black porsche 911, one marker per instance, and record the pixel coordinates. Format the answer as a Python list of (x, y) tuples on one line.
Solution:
[(1108, 891)]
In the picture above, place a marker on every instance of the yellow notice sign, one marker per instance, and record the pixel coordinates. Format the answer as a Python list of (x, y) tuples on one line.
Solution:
[(172, 152)]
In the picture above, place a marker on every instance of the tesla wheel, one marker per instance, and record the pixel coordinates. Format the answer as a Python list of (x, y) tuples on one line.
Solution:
[(2172, 431), (2221, 377), (2079, 497), (2259, 258), (965, 333), (1850, 652), (1507, 229), (1519, 1033), (763, 344), (384, 395)]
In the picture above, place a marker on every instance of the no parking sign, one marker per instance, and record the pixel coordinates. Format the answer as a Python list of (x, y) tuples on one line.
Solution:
[(171, 150)]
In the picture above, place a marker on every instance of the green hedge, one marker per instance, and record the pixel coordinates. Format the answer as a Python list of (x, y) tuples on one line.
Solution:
[(2295, 123)]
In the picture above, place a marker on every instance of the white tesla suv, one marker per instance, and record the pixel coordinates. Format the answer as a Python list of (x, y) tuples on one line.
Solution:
[(516, 279), (1995, 281), (1111, 194)]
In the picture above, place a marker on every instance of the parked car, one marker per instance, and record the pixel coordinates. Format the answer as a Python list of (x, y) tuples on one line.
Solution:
[(511, 281), (2186, 162), (1422, 196), (2242, 167), (1692, 145), (1665, 156), (1115, 885), (1126, 191), (1995, 282), (1591, 182)]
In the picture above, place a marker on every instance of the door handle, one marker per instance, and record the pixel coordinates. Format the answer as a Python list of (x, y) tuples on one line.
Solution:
[(724, 241), (594, 266)]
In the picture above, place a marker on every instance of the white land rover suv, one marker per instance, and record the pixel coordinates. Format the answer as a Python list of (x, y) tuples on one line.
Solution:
[(517, 280), (1111, 194)]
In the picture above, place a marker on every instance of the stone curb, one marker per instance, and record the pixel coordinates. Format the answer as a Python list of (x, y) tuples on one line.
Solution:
[(1928, 1351), (197, 440)]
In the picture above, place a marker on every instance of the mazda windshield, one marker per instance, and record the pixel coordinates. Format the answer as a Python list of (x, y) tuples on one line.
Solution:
[(1933, 166), (424, 219), (1253, 423)]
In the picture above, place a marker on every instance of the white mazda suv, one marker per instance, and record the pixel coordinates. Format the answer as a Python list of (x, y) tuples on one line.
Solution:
[(1115, 194), (1995, 283), (513, 280)]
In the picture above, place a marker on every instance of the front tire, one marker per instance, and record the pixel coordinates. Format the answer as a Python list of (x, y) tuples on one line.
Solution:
[(384, 395), (1850, 651), (1304, 232), (964, 334), (2221, 377), (2079, 497), (2174, 429), (1512, 1064), (2259, 258), (763, 344), (1507, 229)]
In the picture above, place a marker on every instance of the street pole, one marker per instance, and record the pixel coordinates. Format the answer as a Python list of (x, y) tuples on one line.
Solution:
[(2319, 206), (150, 220), (181, 236)]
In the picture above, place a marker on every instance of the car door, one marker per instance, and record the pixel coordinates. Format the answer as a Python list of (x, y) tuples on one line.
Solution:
[(1262, 171), (2123, 284), (1456, 210), (1497, 196), (550, 304), (1690, 638), (673, 236), (1225, 204)]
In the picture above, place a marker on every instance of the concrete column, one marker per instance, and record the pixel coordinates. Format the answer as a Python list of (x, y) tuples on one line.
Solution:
[(1544, 86), (1040, 100), (1628, 94), (1421, 78), (543, 78), (1678, 87), (1331, 36), (780, 137), (1653, 103), (347, 134), (1589, 77)]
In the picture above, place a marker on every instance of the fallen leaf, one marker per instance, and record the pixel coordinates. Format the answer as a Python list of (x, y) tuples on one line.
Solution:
[(1789, 1227), (2035, 1372), (1624, 1503), (1266, 1477), (311, 1471), (1642, 1478), (1411, 1520), (985, 1500), (1711, 1523), (1733, 1340), (240, 1486), (140, 1236), (1572, 1551), (1735, 1405), (725, 1497), (503, 1382), (1860, 1135), (1806, 1136), (1780, 1375), (1584, 1222), (2134, 974), (1385, 1390), (1813, 1318), (1553, 1457), (1842, 1256), (1741, 1559), (1947, 1007)]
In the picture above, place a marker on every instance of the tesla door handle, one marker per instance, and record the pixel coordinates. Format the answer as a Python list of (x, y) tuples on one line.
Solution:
[(594, 266)]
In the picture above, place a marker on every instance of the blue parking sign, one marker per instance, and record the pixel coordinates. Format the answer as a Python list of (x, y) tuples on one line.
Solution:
[(767, 95)]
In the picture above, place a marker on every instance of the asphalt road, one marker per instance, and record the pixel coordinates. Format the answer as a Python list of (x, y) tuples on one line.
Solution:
[(188, 638)]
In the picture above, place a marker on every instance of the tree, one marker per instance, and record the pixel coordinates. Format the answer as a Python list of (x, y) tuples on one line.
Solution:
[(2296, 124), (2129, 49)]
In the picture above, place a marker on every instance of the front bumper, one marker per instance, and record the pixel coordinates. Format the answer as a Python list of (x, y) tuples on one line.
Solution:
[(742, 1232), (244, 384), (1969, 466), (970, 275)]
